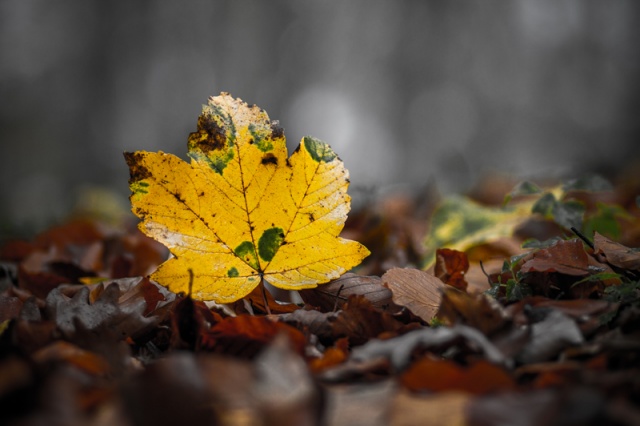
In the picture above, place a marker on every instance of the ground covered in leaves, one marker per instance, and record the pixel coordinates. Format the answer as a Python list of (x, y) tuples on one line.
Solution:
[(540, 326)]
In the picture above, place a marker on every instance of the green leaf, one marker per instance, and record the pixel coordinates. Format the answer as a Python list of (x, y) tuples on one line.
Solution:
[(459, 223)]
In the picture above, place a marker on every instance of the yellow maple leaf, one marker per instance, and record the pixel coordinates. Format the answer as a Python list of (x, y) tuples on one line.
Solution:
[(242, 211)]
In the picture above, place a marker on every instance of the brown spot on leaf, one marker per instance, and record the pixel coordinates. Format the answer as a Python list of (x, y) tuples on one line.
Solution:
[(210, 136), (269, 159), (137, 172)]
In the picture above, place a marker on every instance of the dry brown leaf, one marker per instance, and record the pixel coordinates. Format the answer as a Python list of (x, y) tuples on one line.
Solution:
[(564, 257), (451, 267), (418, 290), (616, 254), (335, 293)]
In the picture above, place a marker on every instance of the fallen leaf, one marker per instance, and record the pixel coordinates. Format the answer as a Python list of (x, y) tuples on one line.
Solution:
[(617, 254), (335, 293), (478, 311), (69, 313), (460, 223), (417, 290), (564, 257), (359, 321), (244, 336), (241, 210), (451, 267)]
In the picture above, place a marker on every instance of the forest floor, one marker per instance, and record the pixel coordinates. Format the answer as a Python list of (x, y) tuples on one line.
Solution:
[(486, 332)]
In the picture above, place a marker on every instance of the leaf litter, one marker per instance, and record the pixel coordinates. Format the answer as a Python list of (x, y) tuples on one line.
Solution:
[(493, 334)]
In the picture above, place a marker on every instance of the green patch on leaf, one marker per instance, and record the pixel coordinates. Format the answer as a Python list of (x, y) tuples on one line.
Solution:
[(319, 150), (260, 138), (270, 242), (140, 187), (247, 252), (232, 272)]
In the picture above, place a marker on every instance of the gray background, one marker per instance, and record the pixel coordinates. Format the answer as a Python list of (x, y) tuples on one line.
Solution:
[(404, 91)]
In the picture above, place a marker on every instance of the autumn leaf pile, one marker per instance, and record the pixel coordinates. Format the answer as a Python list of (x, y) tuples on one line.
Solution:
[(470, 309)]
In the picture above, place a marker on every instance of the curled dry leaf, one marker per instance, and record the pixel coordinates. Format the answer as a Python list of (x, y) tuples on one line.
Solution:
[(417, 290), (335, 293)]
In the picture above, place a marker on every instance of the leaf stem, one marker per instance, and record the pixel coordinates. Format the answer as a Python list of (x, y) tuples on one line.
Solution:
[(264, 295)]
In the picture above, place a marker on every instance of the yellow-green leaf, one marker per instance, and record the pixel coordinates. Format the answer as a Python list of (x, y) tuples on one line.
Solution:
[(459, 223), (241, 209)]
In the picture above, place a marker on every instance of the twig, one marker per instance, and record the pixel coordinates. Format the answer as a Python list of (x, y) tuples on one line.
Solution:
[(583, 237)]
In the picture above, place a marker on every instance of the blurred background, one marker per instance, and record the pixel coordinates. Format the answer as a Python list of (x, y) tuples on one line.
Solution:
[(407, 92)]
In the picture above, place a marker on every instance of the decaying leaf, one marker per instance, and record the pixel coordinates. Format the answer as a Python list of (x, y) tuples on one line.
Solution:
[(241, 210), (418, 290)]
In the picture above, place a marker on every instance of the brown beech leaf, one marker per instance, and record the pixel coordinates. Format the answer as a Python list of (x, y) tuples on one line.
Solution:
[(335, 293), (451, 267), (564, 257), (479, 378), (478, 311), (246, 335), (417, 290), (616, 254)]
